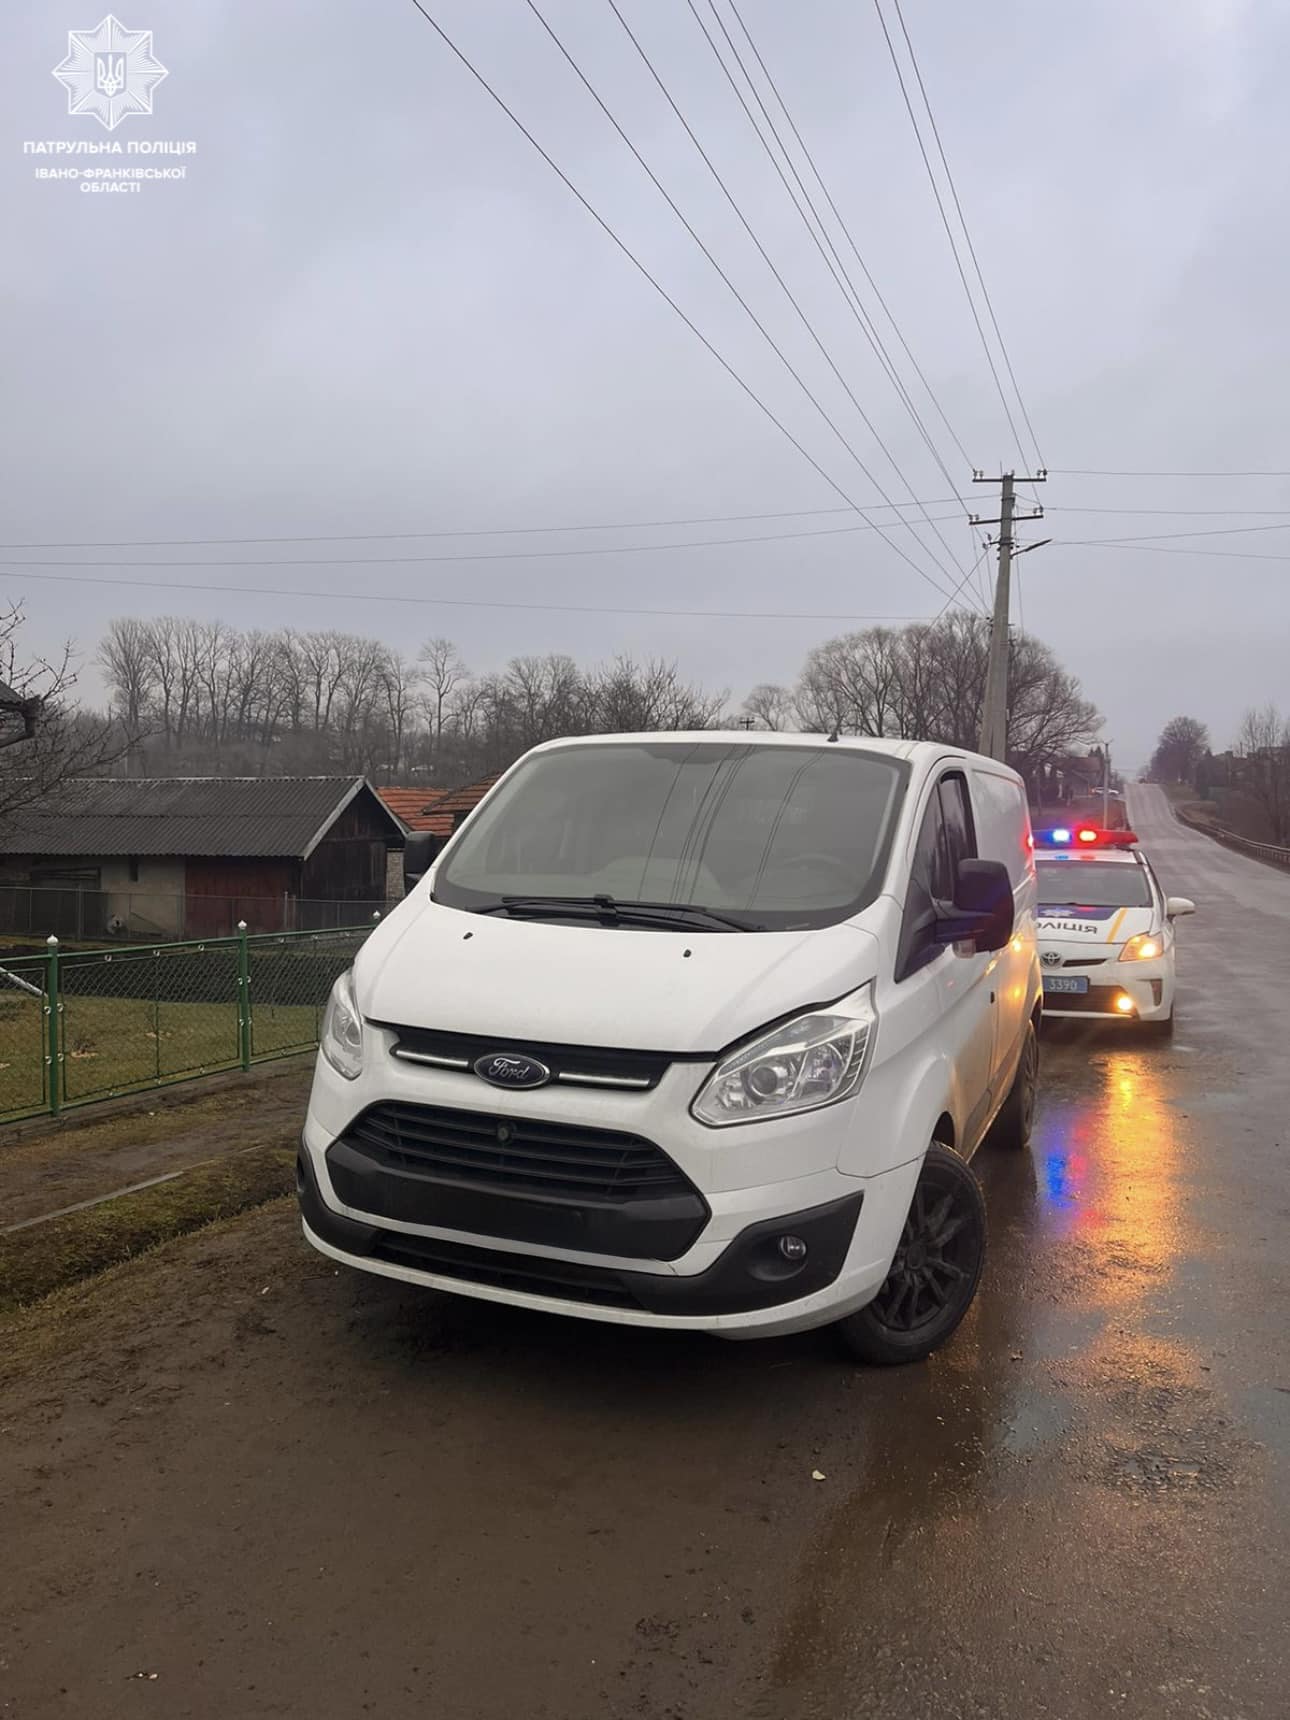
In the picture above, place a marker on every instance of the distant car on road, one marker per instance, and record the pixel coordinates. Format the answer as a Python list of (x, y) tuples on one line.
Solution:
[(1106, 928)]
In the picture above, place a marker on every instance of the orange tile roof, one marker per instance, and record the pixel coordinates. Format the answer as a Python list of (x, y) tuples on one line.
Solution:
[(444, 814), (411, 805)]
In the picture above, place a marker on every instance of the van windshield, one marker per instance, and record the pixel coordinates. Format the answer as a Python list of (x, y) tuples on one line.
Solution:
[(772, 837)]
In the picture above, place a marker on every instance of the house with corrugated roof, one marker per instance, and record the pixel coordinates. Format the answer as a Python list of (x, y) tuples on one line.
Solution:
[(191, 856)]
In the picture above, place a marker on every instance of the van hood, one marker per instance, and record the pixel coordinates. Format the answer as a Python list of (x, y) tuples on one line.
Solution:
[(586, 985)]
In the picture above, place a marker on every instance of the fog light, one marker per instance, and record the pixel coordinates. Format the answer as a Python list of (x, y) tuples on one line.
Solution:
[(792, 1248), (1124, 1004)]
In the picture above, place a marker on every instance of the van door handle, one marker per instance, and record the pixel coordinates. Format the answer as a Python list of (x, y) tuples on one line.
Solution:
[(991, 997)]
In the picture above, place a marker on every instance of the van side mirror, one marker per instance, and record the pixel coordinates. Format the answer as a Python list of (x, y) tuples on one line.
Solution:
[(420, 852), (1177, 906), (983, 906)]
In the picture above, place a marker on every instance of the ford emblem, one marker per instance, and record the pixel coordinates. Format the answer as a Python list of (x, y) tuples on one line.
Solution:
[(511, 1069)]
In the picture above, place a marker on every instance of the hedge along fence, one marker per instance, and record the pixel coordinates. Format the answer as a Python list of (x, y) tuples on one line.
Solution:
[(1269, 852), (96, 1024)]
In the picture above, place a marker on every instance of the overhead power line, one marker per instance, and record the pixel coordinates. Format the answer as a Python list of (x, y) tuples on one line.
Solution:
[(952, 598), (821, 239), (1215, 531), (1167, 549), (949, 231), (662, 291), (608, 526), (967, 233), (1089, 472), (169, 586), (847, 234), (739, 297), (1176, 513), (474, 555), (787, 290)]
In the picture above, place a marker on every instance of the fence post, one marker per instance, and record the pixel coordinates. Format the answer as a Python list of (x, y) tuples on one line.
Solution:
[(243, 996), (53, 1026)]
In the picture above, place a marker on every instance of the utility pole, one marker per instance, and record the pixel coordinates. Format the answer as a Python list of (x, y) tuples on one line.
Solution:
[(994, 705), (1106, 785)]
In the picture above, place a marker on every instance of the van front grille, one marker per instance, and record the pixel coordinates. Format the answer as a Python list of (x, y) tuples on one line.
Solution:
[(518, 1153), (570, 1065)]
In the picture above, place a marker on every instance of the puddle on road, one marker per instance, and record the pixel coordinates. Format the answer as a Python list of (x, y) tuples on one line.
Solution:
[(1037, 1419), (1059, 1395)]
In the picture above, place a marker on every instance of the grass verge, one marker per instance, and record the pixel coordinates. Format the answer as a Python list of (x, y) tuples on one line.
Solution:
[(63, 1251)]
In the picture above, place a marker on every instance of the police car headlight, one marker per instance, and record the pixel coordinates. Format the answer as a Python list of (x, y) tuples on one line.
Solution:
[(341, 1039), (816, 1060), (1146, 947)]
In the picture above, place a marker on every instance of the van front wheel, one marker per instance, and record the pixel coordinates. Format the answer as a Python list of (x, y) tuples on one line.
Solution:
[(935, 1272)]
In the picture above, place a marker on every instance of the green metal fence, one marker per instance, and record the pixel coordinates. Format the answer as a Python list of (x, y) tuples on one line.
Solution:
[(75, 1028)]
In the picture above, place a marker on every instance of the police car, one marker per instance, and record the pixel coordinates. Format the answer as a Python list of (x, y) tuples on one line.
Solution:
[(1106, 929)]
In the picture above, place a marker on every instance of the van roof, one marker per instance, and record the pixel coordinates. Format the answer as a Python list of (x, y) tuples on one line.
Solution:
[(917, 752)]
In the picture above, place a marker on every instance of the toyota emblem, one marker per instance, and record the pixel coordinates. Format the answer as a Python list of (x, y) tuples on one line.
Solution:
[(1050, 958)]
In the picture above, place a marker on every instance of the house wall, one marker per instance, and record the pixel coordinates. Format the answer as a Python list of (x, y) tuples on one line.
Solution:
[(152, 906), (349, 864), (394, 875), (221, 892)]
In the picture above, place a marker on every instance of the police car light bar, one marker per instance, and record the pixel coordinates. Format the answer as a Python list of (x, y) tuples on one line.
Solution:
[(1083, 836)]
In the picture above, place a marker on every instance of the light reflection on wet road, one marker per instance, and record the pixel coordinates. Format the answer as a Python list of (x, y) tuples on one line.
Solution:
[(1081, 1507)]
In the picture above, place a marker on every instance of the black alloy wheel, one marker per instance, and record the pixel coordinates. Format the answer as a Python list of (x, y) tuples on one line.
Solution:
[(935, 1271)]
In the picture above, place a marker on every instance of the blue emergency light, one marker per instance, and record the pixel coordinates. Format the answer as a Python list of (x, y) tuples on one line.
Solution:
[(1083, 836)]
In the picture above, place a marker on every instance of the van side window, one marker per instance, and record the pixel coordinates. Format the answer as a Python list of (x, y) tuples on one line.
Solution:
[(1003, 823), (930, 882), (956, 815)]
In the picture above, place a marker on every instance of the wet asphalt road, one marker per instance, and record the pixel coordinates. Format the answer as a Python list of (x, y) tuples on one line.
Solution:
[(288, 1493)]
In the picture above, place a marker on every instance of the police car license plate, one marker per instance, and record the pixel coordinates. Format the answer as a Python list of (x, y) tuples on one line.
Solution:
[(1065, 983)]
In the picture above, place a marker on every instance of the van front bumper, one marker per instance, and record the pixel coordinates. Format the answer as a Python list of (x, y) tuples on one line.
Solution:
[(703, 1256), (752, 1272)]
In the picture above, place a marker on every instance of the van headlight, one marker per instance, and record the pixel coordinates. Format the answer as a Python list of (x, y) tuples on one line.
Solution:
[(812, 1061), (341, 1039)]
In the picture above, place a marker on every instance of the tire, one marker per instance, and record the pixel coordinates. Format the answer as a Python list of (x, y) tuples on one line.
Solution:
[(1160, 1029), (946, 1244), (1013, 1124)]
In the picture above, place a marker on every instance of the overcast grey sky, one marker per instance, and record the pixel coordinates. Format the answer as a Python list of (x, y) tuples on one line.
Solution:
[(371, 307)]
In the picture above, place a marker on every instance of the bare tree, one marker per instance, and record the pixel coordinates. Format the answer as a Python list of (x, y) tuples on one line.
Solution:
[(444, 672), (1264, 747), (770, 706), (1183, 742), (399, 684), (927, 682), (125, 657), (43, 741)]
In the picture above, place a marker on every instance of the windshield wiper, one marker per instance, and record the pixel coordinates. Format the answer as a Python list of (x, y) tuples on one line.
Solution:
[(613, 912)]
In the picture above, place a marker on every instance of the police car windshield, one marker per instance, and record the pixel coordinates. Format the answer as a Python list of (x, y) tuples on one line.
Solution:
[(1091, 884)]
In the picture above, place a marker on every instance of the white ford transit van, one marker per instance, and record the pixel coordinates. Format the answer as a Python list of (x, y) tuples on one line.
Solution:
[(694, 1031)]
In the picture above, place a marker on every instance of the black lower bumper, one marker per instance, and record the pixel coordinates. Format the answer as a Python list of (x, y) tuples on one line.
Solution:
[(750, 1273)]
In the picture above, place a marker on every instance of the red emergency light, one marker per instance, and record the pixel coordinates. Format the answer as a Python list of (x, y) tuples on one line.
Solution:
[(1083, 836)]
